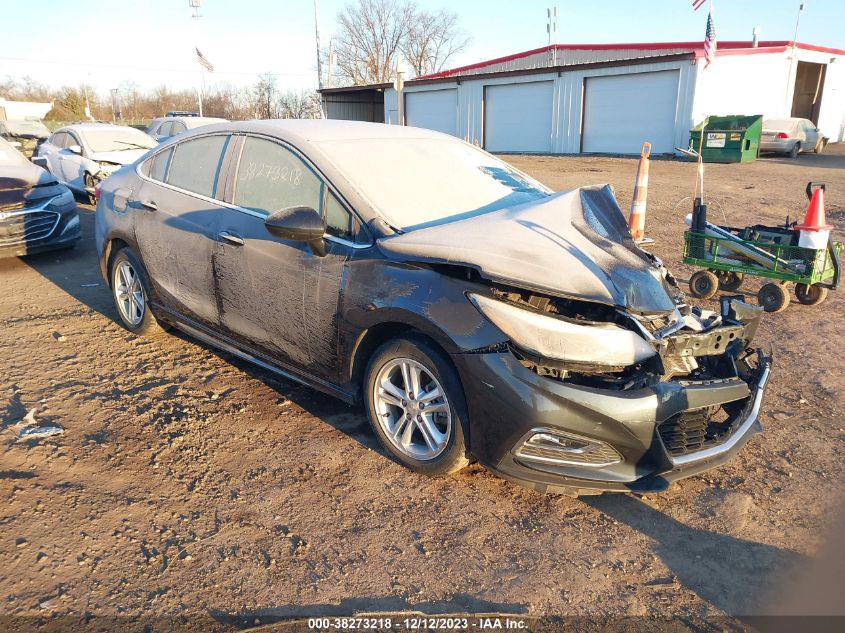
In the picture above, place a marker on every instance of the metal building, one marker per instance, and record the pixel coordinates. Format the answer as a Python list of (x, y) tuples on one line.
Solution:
[(610, 98)]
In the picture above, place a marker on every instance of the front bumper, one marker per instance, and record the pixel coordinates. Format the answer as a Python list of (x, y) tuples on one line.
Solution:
[(508, 402), (64, 232)]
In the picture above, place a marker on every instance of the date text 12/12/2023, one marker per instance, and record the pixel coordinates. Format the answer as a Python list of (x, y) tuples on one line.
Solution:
[(417, 623)]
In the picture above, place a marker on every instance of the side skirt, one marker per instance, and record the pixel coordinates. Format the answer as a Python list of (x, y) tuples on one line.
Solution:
[(227, 344)]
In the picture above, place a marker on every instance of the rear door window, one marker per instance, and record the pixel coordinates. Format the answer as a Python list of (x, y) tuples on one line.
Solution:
[(195, 165), (58, 139), (156, 167), (271, 177)]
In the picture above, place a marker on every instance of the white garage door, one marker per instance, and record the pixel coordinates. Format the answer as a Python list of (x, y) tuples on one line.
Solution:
[(433, 109), (621, 112), (518, 117)]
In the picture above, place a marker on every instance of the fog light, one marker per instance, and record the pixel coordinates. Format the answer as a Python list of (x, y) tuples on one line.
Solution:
[(545, 446)]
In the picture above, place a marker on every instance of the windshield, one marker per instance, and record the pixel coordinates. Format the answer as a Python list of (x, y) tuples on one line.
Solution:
[(10, 157), (117, 139), (27, 128), (420, 182)]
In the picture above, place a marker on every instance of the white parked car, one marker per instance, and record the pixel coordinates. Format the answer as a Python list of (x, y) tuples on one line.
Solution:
[(81, 155), (791, 136), (165, 127)]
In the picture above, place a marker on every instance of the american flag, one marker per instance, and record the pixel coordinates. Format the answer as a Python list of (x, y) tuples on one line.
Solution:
[(710, 39), (202, 61), (696, 4)]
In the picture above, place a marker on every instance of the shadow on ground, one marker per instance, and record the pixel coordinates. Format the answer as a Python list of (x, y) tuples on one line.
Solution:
[(731, 573)]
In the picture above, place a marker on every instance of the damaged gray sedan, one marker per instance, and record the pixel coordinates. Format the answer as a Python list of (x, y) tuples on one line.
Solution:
[(476, 314)]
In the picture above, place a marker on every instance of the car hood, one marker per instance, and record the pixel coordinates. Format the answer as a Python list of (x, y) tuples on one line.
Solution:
[(573, 244), (26, 184), (123, 157)]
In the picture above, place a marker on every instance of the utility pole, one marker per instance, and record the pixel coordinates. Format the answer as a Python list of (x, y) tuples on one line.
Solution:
[(317, 33), (790, 85), (319, 60), (115, 108), (551, 29), (797, 23), (330, 63), (398, 84), (195, 15)]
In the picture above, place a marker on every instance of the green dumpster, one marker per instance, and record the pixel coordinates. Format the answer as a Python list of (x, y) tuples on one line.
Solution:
[(728, 139)]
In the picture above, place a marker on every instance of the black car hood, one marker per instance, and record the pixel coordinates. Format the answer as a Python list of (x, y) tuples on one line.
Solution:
[(573, 244), (22, 184)]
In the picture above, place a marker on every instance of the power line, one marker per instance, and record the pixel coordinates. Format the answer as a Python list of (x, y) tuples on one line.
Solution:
[(149, 68)]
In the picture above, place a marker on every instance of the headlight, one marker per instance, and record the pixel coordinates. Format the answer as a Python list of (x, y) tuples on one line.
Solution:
[(108, 168), (550, 337), (72, 225), (63, 199)]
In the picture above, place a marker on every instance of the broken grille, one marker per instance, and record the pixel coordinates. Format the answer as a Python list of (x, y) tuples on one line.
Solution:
[(695, 430), (24, 227)]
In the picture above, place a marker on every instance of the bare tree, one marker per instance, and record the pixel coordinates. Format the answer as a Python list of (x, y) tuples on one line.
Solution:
[(370, 35), (265, 97), (304, 104), (432, 40)]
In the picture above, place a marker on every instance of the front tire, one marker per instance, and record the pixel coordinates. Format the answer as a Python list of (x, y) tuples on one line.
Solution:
[(703, 284), (773, 298), (416, 406), (131, 293)]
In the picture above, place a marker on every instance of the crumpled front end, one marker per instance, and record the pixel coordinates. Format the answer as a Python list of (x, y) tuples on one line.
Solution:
[(624, 402)]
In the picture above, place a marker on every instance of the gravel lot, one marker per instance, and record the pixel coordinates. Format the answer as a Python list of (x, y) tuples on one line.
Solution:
[(191, 490)]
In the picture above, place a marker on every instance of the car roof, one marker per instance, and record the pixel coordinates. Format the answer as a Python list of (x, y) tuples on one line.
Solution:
[(307, 131), (789, 120), (81, 127)]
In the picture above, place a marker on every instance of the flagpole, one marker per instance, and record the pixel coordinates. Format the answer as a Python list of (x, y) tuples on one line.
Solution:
[(202, 86)]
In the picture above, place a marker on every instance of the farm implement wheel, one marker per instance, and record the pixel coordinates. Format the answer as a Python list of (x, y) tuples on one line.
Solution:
[(703, 284), (773, 298), (810, 295), (729, 280)]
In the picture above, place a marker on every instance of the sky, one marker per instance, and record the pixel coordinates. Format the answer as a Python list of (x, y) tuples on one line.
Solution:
[(151, 43)]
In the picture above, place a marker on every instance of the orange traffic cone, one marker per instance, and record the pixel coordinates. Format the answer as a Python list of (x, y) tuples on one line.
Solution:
[(636, 221), (815, 231)]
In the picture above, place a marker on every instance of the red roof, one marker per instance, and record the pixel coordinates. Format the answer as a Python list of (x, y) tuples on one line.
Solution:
[(725, 48)]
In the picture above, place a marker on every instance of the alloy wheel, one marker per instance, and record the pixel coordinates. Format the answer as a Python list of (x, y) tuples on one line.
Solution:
[(412, 409), (129, 293)]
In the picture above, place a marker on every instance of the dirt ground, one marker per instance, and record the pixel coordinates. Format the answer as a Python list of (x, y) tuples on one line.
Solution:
[(191, 490)]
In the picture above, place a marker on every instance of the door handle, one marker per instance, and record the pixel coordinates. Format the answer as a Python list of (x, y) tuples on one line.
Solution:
[(232, 239), (149, 204)]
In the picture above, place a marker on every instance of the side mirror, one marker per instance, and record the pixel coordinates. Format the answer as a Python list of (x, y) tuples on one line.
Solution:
[(41, 161), (75, 149), (298, 224)]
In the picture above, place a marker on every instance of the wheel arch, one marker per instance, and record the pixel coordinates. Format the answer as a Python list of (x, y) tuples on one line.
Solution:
[(373, 337)]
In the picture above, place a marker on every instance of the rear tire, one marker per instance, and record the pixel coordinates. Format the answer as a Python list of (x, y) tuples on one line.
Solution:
[(703, 284), (729, 281), (90, 184), (414, 434), (131, 293), (773, 298), (810, 295), (796, 149)]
